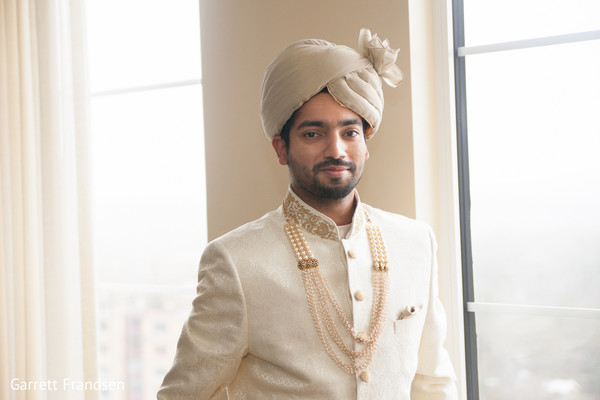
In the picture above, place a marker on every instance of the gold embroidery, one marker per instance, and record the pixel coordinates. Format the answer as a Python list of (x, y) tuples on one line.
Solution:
[(317, 224)]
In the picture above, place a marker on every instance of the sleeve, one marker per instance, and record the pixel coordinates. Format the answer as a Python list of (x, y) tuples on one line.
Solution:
[(215, 336), (435, 378)]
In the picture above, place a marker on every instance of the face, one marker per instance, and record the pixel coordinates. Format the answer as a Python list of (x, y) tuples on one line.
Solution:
[(327, 149)]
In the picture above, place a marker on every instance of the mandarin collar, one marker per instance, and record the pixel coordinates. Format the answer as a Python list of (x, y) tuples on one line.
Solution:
[(314, 221)]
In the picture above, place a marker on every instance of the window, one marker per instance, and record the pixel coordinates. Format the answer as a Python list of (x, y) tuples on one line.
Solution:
[(148, 182), (528, 95)]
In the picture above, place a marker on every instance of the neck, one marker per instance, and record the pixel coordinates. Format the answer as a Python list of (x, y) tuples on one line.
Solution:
[(340, 211)]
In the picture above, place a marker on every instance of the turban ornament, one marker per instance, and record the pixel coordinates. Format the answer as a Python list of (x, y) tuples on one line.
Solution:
[(353, 78), (381, 56)]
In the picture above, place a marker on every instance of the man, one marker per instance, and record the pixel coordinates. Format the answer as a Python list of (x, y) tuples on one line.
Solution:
[(325, 297)]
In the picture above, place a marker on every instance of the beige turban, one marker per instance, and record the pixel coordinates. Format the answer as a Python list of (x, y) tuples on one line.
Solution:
[(352, 77)]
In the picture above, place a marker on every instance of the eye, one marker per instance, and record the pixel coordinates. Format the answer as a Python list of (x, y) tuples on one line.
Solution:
[(353, 132), (310, 134)]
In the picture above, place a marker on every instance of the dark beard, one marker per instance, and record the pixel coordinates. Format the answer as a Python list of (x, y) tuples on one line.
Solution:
[(328, 192), (333, 192)]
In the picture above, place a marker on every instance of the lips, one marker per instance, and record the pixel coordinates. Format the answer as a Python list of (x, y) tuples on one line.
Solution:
[(334, 171), (329, 169)]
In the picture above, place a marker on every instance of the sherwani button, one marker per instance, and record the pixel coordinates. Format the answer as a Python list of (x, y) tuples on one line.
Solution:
[(359, 295), (365, 376), (351, 253)]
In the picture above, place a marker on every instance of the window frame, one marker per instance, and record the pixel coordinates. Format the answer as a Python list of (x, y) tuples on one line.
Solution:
[(470, 333), (470, 305)]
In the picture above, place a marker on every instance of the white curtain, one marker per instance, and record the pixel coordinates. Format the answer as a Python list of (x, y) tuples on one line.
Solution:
[(47, 319)]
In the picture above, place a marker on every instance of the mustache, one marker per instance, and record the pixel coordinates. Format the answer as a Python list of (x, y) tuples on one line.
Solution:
[(337, 162)]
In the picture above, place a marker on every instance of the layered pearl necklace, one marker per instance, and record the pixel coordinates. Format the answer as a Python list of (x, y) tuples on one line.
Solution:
[(321, 300)]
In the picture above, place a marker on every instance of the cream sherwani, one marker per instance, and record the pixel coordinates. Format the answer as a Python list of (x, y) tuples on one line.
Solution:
[(250, 334)]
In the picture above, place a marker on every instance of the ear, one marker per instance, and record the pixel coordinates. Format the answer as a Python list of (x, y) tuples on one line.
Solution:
[(279, 146), (367, 154)]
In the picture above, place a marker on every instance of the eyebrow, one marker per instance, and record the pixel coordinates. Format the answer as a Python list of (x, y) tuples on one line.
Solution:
[(321, 124)]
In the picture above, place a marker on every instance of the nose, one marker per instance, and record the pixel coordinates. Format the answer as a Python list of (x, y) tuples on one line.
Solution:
[(336, 147)]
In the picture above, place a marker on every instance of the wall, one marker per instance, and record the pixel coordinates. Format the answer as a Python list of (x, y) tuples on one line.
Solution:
[(239, 40)]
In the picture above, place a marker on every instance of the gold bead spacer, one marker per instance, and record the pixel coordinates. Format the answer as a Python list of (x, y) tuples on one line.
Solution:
[(310, 263), (380, 266)]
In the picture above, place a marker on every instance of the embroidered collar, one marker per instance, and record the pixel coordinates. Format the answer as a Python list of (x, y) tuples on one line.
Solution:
[(317, 223)]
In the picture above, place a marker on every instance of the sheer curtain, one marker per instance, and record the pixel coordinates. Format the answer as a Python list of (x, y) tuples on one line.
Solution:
[(47, 319)]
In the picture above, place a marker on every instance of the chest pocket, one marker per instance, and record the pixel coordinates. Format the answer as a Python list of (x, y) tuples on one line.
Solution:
[(409, 327)]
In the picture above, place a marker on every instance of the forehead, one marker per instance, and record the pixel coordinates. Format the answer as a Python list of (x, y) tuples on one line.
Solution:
[(323, 107)]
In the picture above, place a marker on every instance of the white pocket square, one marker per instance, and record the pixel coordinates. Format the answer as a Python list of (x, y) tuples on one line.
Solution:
[(410, 311)]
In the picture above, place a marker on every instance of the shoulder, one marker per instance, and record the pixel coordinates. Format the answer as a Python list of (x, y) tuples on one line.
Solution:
[(397, 228), (391, 221), (264, 224), (251, 235)]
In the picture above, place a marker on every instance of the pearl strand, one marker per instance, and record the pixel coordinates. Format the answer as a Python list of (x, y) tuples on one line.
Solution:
[(318, 293)]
